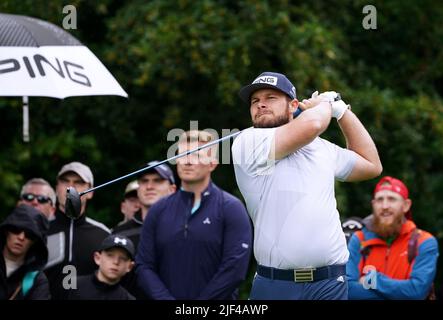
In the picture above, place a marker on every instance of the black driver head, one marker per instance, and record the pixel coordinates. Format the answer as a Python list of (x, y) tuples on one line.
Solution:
[(73, 203)]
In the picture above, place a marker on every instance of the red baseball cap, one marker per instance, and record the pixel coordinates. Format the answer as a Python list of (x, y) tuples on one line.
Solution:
[(395, 185)]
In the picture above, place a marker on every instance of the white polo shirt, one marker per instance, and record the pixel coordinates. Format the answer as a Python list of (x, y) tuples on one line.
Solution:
[(292, 201)]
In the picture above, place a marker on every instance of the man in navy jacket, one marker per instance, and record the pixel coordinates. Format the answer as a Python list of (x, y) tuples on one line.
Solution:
[(195, 243)]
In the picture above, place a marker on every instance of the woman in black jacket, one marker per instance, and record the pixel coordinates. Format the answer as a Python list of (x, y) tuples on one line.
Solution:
[(24, 254)]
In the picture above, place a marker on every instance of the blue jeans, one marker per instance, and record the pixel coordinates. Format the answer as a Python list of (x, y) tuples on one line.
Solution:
[(271, 289)]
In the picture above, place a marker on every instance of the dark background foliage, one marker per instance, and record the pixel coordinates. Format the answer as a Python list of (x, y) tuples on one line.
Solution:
[(185, 60)]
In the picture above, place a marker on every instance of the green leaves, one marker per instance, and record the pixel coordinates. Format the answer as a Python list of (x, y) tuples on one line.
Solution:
[(186, 60)]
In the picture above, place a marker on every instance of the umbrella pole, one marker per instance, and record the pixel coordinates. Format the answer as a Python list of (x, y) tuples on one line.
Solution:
[(25, 119)]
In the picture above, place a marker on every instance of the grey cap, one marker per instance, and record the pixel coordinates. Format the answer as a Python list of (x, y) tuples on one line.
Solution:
[(79, 168)]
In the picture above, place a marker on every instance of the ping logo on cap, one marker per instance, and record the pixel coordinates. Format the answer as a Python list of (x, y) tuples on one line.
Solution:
[(118, 240), (266, 79)]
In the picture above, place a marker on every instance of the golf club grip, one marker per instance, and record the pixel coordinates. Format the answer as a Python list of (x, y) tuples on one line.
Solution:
[(297, 112)]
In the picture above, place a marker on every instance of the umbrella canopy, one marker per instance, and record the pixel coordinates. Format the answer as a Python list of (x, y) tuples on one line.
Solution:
[(38, 58)]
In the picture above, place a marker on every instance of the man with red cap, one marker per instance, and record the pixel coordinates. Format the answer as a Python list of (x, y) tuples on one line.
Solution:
[(390, 258)]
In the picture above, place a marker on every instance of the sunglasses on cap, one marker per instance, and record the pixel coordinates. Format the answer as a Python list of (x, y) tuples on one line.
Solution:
[(40, 199), (18, 230)]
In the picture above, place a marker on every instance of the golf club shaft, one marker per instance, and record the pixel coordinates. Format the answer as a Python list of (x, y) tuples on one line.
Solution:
[(174, 157), (161, 162)]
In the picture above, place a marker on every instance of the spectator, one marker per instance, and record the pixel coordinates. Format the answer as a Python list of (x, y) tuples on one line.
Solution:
[(390, 258), (130, 204), (195, 243), (153, 185), (114, 259), (23, 244), (38, 193), (72, 242)]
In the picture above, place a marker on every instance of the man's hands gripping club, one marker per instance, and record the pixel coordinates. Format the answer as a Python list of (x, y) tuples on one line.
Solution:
[(338, 106)]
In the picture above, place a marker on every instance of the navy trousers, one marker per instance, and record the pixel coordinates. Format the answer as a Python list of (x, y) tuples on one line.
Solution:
[(271, 289)]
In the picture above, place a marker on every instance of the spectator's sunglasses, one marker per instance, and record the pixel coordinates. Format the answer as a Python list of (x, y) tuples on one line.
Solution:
[(41, 199), (18, 230)]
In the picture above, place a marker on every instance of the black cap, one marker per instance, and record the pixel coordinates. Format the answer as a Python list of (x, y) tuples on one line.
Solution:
[(118, 241), (268, 80), (350, 225)]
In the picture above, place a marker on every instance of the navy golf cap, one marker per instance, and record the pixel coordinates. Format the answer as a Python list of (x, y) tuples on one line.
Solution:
[(118, 241), (268, 80), (163, 170)]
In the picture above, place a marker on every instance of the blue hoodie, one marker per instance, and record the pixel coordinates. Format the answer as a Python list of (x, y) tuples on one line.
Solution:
[(200, 256)]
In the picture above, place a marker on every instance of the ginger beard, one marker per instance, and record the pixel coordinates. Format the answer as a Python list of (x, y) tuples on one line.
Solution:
[(389, 209), (387, 229)]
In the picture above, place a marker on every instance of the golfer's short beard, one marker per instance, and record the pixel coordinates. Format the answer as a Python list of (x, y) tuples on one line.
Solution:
[(387, 230), (276, 122)]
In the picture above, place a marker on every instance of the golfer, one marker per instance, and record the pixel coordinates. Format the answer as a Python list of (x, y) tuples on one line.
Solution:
[(286, 174)]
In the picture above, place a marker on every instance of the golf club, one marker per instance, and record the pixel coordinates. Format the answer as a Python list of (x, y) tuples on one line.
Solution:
[(73, 202)]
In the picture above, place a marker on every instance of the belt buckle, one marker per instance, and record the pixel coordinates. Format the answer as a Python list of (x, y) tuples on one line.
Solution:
[(304, 275)]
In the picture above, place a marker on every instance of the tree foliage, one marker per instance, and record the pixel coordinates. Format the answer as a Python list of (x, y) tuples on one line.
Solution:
[(186, 60)]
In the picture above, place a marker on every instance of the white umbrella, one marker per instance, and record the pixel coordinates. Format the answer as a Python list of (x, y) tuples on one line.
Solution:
[(38, 58)]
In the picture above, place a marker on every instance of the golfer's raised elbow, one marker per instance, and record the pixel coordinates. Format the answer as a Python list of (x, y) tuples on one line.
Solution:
[(378, 170), (374, 171), (365, 170)]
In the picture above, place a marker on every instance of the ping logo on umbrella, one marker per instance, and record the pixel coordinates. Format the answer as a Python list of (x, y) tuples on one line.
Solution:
[(38, 58), (70, 68)]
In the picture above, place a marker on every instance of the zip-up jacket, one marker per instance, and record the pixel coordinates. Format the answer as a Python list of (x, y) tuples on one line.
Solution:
[(72, 242), (204, 255), (131, 228), (394, 275), (34, 284)]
